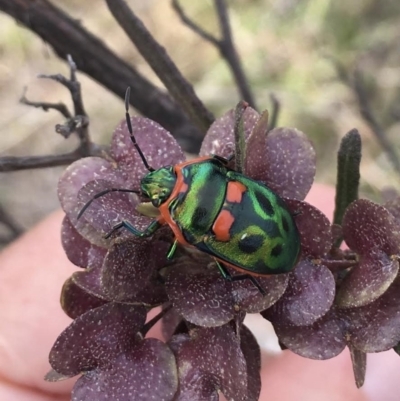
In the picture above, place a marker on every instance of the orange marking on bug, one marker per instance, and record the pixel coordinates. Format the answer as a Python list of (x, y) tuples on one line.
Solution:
[(165, 217), (178, 168), (222, 225), (235, 191), (183, 188)]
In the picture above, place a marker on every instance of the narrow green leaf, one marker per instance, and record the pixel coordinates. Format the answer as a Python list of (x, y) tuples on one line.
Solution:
[(240, 142), (348, 175)]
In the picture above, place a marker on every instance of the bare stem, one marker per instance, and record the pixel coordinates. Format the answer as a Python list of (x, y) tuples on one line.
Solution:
[(368, 115), (158, 59), (78, 124), (225, 45), (10, 163), (357, 84), (60, 107)]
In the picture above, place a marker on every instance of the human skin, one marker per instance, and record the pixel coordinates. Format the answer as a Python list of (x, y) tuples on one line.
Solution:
[(32, 272)]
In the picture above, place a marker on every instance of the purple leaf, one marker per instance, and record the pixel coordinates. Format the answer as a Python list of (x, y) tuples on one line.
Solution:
[(96, 337), (159, 148), (147, 373), (314, 227), (289, 169), (202, 297), (324, 339), (220, 140), (308, 297), (367, 225), (367, 281)]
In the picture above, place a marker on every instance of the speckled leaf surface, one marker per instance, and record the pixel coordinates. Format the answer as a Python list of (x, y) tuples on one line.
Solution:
[(220, 140)]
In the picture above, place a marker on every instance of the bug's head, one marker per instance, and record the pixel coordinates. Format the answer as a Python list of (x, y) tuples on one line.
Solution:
[(158, 185)]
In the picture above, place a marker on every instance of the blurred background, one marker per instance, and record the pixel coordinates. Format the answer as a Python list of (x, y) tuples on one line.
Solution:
[(305, 52)]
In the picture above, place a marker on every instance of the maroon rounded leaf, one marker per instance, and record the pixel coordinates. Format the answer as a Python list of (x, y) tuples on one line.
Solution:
[(75, 301), (220, 140), (367, 281), (75, 246), (76, 176), (211, 360), (252, 355), (159, 148), (169, 323), (201, 296), (290, 167), (80, 251), (128, 267), (90, 281), (393, 205), (79, 174), (314, 228), (249, 298), (96, 337), (106, 211), (147, 373), (324, 339), (367, 225), (376, 327), (308, 297)]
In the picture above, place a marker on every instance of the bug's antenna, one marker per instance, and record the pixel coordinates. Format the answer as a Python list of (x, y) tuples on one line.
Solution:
[(102, 193), (128, 123)]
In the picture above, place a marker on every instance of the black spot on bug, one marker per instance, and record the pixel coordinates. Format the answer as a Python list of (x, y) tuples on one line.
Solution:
[(200, 213), (271, 229), (250, 243), (265, 203), (276, 250), (188, 235), (285, 224), (201, 219)]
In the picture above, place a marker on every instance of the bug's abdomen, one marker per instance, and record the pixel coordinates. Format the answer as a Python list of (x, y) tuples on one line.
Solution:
[(253, 230)]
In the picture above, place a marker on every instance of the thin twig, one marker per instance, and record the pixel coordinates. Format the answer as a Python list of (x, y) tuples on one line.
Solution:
[(357, 84), (60, 107), (78, 123), (225, 45), (193, 26), (367, 114), (162, 65), (10, 163)]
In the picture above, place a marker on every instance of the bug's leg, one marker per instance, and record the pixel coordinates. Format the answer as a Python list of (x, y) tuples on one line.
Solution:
[(172, 250), (239, 277), (147, 232)]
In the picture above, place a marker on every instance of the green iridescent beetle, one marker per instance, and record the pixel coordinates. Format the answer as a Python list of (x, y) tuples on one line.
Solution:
[(239, 221)]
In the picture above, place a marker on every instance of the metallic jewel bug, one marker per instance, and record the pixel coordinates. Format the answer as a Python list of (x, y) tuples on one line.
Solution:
[(239, 221)]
